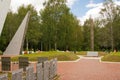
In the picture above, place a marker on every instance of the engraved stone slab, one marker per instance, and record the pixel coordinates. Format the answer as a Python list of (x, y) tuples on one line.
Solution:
[(17, 75), (4, 77), (23, 62), (16, 44), (92, 54), (30, 73), (6, 63), (51, 68), (4, 7), (42, 59), (46, 70), (55, 67), (39, 71)]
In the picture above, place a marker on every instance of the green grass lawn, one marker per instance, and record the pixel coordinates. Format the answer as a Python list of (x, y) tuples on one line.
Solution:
[(100, 53), (61, 56), (81, 53), (112, 57)]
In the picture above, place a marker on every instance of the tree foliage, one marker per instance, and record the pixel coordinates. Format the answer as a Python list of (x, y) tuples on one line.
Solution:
[(14, 20), (110, 14), (59, 26), (56, 28)]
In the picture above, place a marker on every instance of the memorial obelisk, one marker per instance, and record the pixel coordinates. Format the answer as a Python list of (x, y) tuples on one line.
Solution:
[(16, 44)]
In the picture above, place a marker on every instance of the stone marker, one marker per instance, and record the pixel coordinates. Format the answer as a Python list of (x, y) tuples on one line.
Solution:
[(55, 67), (4, 7), (42, 59), (30, 73), (6, 63), (51, 74), (46, 70), (23, 62), (92, 54), (16, 44), (17, 75), (39, 71), (4, 77)]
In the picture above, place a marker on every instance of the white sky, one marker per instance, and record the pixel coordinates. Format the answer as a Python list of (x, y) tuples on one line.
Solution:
[(38, 4), (16, 3), (94, 10)]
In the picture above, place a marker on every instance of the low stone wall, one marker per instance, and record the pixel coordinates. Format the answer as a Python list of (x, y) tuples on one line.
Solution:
[(46, 70)]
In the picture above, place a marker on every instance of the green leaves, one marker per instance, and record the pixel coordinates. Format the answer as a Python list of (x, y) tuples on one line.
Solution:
[(14, 20), (59, 26)]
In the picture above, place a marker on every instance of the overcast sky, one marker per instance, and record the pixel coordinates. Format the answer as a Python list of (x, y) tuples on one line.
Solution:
[(83, 9)]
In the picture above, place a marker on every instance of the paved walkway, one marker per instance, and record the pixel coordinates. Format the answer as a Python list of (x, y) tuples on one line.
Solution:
[(88, 68)]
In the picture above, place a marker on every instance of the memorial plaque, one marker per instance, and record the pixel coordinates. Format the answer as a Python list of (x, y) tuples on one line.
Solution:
[(30, 73), (6, 63), (46, 70), (17, 75), (4, 77), (23, 62), (39, 71), (92, 54)]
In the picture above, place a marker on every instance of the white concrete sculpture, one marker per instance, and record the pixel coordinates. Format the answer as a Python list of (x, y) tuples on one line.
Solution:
[(4, 7), (16, 44)]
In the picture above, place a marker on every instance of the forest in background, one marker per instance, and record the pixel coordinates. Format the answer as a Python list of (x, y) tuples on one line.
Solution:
[(56, 28)]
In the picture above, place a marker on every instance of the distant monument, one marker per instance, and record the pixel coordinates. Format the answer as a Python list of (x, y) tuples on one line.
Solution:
[(4, 7), (92, 54), (16, 44)]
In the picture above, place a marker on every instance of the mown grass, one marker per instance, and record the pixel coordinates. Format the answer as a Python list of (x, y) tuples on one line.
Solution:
[(112, 57), (61, 56), (81, 53), (100, 53)]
